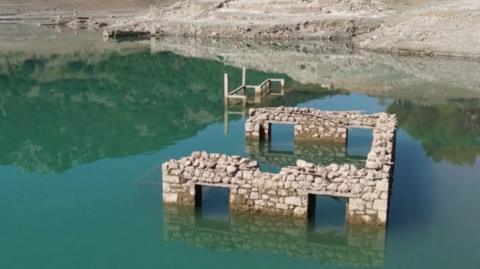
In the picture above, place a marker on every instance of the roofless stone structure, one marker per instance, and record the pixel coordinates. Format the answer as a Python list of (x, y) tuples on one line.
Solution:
[(289, 191)]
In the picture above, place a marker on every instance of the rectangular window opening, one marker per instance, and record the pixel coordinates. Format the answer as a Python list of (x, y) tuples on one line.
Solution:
[(359, 142), (282, 138)]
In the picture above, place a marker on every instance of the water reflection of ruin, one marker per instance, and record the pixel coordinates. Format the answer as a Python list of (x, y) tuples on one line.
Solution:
[(319, 153), (358, 246)]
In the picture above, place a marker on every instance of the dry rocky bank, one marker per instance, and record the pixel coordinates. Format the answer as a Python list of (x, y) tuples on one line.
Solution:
[(421, 27)]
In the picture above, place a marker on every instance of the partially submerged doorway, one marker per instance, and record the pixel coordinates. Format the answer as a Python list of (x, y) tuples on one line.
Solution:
[(326, 218), (212, 203)]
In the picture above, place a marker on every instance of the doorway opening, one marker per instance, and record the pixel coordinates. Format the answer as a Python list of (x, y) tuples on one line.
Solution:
[(212, 203), (326, 219)]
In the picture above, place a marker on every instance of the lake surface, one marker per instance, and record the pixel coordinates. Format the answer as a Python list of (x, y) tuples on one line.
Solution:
[(84, 132)]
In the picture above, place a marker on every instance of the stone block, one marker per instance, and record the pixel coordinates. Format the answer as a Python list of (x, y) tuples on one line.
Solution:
[(282, 192), (343, 187), (166, 187), (382, 186), (332, 187), (357, 188), (382, 216), (300, 211), (170, 197), (293, 200), (260, 203), (171, 179), (380, 205), (356, 204)]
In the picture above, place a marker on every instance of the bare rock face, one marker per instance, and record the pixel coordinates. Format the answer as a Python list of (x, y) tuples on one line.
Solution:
[(440, 29), (426, 28), (258, 19)]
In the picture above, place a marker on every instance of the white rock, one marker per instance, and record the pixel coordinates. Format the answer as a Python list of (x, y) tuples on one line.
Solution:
[(332, 187), (343, 187), (172, 179), (382, 216), (380, 205), (357, 188), (356, 204), (304, 164), (293, 200), (170, 197), (300, 211), (382, 186)]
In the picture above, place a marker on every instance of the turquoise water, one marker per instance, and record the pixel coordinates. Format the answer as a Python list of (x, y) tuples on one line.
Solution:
[(83, 135)]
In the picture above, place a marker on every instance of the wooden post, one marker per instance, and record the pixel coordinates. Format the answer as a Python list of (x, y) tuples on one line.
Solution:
[(258, 91), (244, 76), (225, 88), (282, 87), (225, 120)]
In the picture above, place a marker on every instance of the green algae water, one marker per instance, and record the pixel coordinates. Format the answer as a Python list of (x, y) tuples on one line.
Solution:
[(84, 132)]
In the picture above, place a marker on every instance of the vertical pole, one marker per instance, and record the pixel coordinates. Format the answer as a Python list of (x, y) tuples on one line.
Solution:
[(282, 87), (244, 76), (225, 120), (225, 88), (258, 94)]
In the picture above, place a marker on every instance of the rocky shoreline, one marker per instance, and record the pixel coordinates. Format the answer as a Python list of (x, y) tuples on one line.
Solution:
[(427, 28), (413, 27)]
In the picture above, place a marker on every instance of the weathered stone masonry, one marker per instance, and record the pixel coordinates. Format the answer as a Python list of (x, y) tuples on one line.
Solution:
[(286, 193), (309, 124)]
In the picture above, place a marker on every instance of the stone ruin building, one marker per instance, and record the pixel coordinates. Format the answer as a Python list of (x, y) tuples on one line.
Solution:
[(290, 192)]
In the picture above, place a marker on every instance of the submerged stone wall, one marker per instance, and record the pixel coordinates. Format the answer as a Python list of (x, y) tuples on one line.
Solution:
[(309, 123), (354, 245), (286, 193), (318, 153)]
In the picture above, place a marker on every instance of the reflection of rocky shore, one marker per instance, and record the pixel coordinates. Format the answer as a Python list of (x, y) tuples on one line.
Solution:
[(360, 246), (81, 78), (94, 94), (427, 80), (448, 132), (318, 153)]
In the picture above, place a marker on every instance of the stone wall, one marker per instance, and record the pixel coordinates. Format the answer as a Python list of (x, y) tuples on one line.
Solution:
[(308, 125), (354, 245), (287, 192)]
